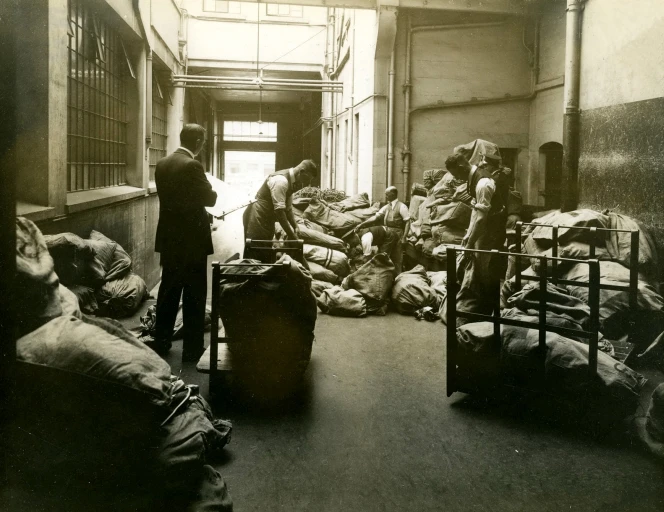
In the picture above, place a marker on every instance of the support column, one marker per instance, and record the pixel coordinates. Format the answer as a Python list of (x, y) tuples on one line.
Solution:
[(570, 188)]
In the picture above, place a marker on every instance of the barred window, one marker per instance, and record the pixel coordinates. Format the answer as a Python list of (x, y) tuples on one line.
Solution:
[(159, 125), (96, 102)]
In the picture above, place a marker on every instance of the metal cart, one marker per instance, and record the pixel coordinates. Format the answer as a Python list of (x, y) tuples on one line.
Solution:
[(597, 235), (457, 379), (215, 359)]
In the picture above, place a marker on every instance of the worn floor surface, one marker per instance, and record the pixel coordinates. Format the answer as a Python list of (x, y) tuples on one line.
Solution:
[(375, 431)]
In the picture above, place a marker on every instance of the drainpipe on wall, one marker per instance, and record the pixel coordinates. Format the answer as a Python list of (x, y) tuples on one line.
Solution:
[(148, 102), (335, 134), (405, 154), (390, 121), (327, 104), (570, 189), (352, 114)]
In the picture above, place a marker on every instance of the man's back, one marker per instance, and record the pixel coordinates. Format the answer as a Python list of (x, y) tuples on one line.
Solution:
[(181, 183), (183, 192)]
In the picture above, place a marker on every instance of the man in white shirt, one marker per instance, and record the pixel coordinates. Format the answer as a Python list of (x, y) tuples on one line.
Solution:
[(488, 188), (394, 216), (487, 222), (274, 203)]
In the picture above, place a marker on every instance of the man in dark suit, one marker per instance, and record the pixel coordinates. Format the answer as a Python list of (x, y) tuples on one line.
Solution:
[(184, 242)]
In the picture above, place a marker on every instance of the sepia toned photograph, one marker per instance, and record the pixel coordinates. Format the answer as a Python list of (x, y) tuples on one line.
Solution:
[(332, 256)]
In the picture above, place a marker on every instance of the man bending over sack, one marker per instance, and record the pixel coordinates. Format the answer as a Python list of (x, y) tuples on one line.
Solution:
[(274, 203), (394, 217), (378, 236)]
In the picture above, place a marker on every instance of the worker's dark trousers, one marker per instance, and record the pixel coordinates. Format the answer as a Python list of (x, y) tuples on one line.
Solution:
[(188, 280), (480, 274)]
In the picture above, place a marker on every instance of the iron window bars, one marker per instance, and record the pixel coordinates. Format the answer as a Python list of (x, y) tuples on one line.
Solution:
[(96, 101), (159, 126)]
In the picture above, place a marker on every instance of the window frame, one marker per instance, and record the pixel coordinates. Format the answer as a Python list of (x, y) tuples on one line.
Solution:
[(231, 7), (159, 136), (292, 11), (97, 102)]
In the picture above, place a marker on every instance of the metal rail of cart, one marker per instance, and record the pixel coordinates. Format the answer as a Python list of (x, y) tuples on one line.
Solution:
[(456, 379), (214, 360), (596, 236)]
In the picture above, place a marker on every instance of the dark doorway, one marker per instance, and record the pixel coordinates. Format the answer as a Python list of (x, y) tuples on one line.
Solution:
[(551, 158)]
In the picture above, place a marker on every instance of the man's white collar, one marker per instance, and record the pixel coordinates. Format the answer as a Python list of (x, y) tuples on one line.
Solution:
[(188, 151)]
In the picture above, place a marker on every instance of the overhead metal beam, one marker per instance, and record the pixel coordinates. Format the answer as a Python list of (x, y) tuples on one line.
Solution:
[(517, 7), (349, 4), (255, 83)]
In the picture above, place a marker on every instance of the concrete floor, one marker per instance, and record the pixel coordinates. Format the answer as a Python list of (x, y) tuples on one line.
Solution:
[(373, 430)]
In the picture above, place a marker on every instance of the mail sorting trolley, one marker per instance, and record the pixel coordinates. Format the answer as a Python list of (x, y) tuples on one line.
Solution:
[(595, 236), (210, 362), (458, 378)]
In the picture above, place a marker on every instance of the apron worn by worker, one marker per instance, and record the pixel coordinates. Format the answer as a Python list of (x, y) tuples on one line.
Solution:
[(480, 274), (395, 225), (259, 217), (495, 232)]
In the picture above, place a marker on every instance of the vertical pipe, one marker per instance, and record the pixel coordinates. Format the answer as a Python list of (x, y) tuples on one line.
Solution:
[(329, 97), (593, 242), (329, 156), (406, 124), (536, 52), (148, 99), (351, 136), (335, 133), (390, 120), (570, 190)]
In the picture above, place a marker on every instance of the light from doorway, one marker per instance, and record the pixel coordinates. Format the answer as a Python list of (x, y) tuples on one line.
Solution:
[(246, 170)]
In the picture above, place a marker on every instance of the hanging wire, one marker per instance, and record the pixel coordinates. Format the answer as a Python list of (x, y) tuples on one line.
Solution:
[(295, 48), (258, 36), (260, 112), (258, 70)]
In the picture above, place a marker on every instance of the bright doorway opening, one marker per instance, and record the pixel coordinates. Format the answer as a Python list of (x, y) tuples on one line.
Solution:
[(247, 170)]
